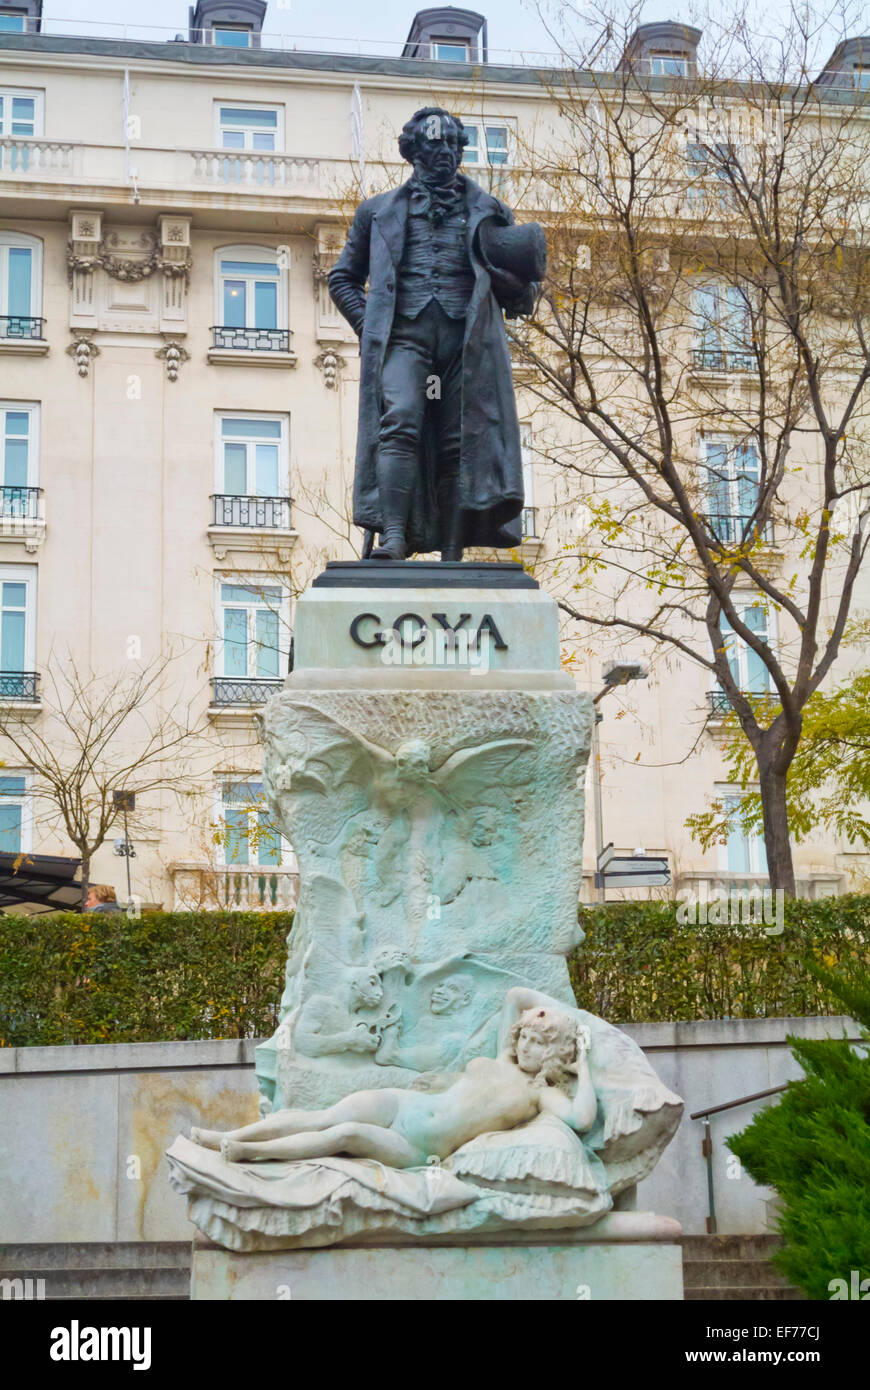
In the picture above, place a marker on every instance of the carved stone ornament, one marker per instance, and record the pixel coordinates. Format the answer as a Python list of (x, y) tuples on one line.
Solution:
[(330, 363), (173, 353), (82, 350), (150, 258)]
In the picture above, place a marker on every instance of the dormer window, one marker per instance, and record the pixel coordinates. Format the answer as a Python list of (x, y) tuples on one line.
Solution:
[(669, 65), (861, 76), (14, 23), (232, 35), (451, 51)]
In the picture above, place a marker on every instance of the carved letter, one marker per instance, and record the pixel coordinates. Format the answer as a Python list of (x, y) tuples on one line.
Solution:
[(376, 641), (488, 625)]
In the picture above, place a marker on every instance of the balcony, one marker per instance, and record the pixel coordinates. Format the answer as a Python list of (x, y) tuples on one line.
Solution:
[(718, 362), (19, 687), (707, 884), (251, 347), (20, 333), (259, 525), (243, 693), (235, 888), (22, 516), (732, 528)]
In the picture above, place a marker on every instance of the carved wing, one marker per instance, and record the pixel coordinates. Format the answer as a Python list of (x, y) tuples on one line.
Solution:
[(333, 754), (470, 770)]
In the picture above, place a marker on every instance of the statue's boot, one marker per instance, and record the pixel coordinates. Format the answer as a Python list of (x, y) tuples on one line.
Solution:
[(393, 545)]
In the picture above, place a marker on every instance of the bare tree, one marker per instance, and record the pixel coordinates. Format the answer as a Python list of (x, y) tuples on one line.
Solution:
[(705, 330), (96, 735)]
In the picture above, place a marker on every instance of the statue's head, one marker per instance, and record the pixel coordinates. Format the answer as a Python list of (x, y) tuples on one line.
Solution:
[(366, 988), (433, 142), (545, 1041), (448, 996), (412, 758)]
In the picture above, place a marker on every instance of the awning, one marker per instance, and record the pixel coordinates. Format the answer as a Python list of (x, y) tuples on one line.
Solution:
[(47, 879)]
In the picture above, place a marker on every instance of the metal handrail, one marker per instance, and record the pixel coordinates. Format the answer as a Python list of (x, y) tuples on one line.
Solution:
[(707, 1143)]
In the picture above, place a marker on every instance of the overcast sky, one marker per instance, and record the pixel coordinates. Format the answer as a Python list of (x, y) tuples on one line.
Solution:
[(514, 25)]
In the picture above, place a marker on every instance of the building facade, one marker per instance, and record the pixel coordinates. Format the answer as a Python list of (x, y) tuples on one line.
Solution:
[(178, 405)]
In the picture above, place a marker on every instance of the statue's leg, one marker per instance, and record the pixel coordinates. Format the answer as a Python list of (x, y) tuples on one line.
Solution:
[(449, 425), (357, 1140), (407, 365), (365, 1107)]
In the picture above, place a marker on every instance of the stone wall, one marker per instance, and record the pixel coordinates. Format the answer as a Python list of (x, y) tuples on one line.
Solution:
[(84, 1128)]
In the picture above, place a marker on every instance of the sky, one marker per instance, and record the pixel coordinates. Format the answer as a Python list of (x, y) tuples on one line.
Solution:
[(516, 30)]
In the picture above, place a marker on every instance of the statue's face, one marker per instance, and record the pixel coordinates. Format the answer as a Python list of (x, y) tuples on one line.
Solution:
[(412, 759), (438, 149), (531, 1051), (368, 990), (447, 996)]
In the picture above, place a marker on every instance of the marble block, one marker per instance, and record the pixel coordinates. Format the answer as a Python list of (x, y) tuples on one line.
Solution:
[(571, 1271)]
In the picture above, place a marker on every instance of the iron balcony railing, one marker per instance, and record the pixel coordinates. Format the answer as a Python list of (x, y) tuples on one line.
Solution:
[(720, 705), (260, 513), (733, 527), (251, 339), (244, 690), (21, 326), (722, 360), (18, 685), (530, 523), (23, 502)]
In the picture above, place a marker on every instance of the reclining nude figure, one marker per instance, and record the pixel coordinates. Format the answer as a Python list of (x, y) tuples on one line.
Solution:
[(542, 1066)]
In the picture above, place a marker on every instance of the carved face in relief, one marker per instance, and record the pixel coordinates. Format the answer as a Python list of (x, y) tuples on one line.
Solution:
[(412, 760), (366, 989), (448, 996)]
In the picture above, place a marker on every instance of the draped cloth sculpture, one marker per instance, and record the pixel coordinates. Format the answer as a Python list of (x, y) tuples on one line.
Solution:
[(567, 1117)]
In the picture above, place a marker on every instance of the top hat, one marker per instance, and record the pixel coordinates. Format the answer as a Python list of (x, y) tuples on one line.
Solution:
[(520, 250)]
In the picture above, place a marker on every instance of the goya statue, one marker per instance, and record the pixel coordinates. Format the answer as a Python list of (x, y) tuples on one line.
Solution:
[(438, 461)]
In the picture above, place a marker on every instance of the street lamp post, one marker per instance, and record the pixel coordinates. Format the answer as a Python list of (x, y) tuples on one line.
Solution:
[(615, 674)]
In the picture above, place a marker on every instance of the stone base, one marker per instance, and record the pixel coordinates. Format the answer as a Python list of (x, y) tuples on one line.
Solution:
[(548, 1268)]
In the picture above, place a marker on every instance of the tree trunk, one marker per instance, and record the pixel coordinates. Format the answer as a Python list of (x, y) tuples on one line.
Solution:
[(777, 844), (86, 881)]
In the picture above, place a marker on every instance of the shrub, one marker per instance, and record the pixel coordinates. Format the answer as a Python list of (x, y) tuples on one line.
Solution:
[(813, 1147)]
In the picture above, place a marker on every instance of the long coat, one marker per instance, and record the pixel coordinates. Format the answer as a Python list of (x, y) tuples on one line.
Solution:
[(490, 469)]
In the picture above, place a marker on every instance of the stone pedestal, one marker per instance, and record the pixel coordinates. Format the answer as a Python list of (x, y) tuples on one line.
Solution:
[(426, 760), (607, 1263)]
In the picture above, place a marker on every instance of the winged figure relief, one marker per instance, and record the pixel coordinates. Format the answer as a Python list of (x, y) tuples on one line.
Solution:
[(422, 829)]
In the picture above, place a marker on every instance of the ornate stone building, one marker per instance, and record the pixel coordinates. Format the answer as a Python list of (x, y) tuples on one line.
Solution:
[(178, 403)]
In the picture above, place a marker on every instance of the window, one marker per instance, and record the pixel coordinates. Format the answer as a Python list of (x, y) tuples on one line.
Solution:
[(529, 517), (252, 472), (20, 112), (451, 50), (20, 286), (19, 453), (743, 853), (249, 833), (17, 632), (722, 328), (668, 65), (249, 128), (20, 115), (731, 477), (13, 23), (253, 624), (16, 813), (489, 143), (252, 299), (861, 77), (231, 35), (747, 668)]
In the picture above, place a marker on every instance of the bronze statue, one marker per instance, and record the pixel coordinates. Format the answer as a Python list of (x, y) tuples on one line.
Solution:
[(438, 463)]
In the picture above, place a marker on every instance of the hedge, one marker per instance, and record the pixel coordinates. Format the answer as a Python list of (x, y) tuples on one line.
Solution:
[(71, 978)]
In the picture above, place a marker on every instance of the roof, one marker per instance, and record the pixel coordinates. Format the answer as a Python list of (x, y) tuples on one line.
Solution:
[(48, 879)]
